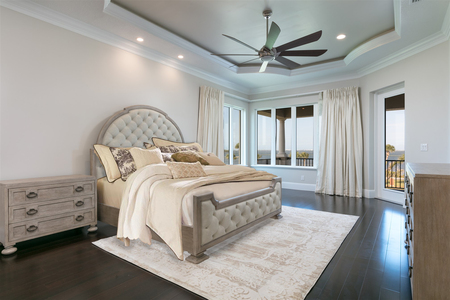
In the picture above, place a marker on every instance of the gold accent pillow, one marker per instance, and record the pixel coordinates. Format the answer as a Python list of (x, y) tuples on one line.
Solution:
[(211, 158), (109, 163), (161, 142), (189, 156), (186, 170), (144, 157)]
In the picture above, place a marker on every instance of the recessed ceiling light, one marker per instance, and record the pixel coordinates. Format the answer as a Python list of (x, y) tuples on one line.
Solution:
[(180, 56), (139, 39), (341, 37)]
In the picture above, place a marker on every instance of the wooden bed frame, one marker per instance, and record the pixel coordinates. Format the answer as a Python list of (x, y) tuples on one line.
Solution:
[(193, 239)]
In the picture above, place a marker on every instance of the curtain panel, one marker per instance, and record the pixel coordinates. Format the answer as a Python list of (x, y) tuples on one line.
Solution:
[(210, 120), (341, 144)]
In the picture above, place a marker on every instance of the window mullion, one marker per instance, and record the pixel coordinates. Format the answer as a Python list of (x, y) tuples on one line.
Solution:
[(294, 136), (273, 153), (230, 129)]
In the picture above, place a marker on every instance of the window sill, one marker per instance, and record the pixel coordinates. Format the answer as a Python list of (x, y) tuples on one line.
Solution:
[(285, 167)]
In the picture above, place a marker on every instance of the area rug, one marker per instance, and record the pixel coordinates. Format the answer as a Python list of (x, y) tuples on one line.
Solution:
[(278, 259)]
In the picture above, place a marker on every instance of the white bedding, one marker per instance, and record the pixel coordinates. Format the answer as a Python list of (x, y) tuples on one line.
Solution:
[(150, 199), (111, 193)]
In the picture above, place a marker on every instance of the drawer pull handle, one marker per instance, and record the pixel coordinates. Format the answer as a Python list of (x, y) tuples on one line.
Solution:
[(79, 203), (32, 228), (79, 218), (32, 195), (407, 210), (407, 249), (32, 212), (410, 234), (406, 201), (410, 272), (79, 189)]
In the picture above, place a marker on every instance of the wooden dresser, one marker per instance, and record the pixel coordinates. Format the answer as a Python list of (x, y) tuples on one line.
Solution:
[(427, 201), (31, 208)]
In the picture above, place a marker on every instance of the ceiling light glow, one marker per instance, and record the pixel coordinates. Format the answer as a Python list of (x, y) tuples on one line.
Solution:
[(341, 37), (139, 39), (180, 56)]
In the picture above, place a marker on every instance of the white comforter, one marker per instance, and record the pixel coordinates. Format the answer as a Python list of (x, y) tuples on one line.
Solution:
[(135, 215)]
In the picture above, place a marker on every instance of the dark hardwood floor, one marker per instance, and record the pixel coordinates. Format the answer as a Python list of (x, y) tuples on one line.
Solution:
[(370, 264)]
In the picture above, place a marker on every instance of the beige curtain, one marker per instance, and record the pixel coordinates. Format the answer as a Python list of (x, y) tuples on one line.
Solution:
[(210, 120), (340, 154)]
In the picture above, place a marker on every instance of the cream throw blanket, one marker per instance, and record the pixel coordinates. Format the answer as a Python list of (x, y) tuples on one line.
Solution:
[(152, 198)]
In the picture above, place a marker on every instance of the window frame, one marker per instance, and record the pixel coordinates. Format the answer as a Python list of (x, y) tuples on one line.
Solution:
[(316, 135), (242, 142)]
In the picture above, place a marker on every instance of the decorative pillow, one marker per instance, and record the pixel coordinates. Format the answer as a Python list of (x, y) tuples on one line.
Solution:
[(161, 142), (167, 157), (211, 158), (186, 170), (125, 161), (189, 156), (149, 146), (109, 163), (144, 157)]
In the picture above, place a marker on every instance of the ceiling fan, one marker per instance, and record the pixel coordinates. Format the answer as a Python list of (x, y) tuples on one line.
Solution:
[(269, 53)]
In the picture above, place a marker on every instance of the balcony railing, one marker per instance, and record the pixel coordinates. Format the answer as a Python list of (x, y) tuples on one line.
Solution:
[(395, 174), (303, 162)]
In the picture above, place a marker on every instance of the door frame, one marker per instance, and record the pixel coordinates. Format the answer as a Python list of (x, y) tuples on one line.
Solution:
[(380, 152)]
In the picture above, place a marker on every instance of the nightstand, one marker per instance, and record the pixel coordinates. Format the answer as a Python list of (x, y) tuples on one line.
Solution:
[(31, 208)]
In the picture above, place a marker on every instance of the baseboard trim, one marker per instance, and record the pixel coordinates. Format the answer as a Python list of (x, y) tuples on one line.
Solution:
[(369, 193), (299, 186)]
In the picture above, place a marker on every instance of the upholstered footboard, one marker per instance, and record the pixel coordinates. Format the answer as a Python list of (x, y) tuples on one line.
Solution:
[(216, 221)]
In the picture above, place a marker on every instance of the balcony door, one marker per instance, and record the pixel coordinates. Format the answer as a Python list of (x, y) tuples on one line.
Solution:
[(391, 146)]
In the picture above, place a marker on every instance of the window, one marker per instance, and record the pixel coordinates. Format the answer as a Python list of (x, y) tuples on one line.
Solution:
[(287, 136), (232, 135)]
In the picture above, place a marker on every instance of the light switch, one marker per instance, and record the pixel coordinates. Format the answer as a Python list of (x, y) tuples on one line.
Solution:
[(423, 147)]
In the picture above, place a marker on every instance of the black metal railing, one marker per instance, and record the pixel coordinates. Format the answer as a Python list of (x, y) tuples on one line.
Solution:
[(303, 162), (395, 174)]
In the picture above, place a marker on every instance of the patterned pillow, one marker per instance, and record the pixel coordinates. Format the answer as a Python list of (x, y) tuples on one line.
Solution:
[(167, 151), (186, 170), (189, 156), (124, 161), (161, 142), (211, 158)]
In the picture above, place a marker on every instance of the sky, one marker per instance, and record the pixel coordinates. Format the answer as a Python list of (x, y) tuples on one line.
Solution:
[(395, 129)]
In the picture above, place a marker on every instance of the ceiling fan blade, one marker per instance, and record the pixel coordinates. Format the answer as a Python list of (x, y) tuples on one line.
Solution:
[(246, 61), (274, 32), (301, 41), (234, 54), (287, 62), (303, 53), (242, 43), (263, 66)]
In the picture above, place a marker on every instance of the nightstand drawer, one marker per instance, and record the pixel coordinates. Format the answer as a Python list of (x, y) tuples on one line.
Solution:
[(32, 211), (43, 226), (34, 194)]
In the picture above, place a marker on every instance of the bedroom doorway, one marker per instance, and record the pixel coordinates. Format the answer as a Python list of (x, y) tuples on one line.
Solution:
[(390, 163)]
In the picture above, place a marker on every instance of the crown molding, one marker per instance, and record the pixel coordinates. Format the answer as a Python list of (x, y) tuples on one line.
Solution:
[(301, 83), (398, 16), (406, 52), (371, 44), (45, 14), (129, 17), (446, 24)]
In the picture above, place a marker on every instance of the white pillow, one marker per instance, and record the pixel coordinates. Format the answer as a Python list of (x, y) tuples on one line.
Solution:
[(144, 157)]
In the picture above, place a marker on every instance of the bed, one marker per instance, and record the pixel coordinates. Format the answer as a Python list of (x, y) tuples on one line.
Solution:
[(213, 213)]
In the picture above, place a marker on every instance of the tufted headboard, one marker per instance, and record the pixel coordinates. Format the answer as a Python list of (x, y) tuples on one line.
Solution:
[(133, 126)]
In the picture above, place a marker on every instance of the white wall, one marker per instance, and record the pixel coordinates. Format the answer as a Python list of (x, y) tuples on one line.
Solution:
[(58, 88)]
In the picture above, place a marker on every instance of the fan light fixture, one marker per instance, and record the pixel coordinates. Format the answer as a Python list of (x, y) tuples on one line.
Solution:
[(140, 40), (341, 36), (269, 53)]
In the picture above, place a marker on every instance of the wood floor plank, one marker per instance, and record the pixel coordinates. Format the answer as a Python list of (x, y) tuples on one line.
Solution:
[(370, 264)]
